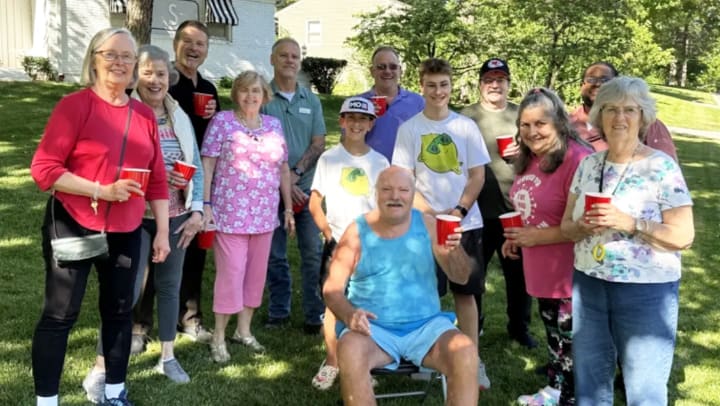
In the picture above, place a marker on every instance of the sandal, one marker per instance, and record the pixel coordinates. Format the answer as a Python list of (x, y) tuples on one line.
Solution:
[(249, 341), (219, 352), (325, 377)]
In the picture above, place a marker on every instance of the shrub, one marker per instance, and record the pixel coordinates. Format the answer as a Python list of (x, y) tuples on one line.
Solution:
[(323, 72), (225, 82), (37, 66)]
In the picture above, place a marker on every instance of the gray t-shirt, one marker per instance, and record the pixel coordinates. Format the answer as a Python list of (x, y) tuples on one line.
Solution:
[(493, 199)]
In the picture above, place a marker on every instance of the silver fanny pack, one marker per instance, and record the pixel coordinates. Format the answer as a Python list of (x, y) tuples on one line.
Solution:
[(69, 249)]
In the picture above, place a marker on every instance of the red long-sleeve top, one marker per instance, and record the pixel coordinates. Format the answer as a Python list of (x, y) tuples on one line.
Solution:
[(84, 136)]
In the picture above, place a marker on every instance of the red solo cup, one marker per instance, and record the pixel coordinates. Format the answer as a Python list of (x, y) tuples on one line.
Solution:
[(445, 225), (511, 219), (200, 101), (380, 103), (141, 176), (596, 197), (503, 142), (186, 169), (206, 237), (297, 207)]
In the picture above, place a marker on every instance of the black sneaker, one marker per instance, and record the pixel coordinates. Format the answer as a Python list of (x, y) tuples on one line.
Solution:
[(277, 322), (312, 329), (524, 339)]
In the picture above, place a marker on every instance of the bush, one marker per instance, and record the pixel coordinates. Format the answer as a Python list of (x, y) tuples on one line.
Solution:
[(225, 82), (37, 66), (323, 72)]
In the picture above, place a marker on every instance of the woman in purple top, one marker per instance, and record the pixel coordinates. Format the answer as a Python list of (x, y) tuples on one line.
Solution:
[(550, 151), (245, 161)]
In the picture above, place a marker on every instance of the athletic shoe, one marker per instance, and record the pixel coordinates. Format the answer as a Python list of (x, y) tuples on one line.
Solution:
[(173, 371), (482, 378), (325, 377), (94, 385), (547, 396), (196, 332), (121, 400)]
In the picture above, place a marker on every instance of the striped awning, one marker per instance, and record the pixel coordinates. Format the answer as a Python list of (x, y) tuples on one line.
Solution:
[(118, 6), (221, 11)]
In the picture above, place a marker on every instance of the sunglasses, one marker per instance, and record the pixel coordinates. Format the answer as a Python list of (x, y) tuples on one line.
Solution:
[(391, 66)]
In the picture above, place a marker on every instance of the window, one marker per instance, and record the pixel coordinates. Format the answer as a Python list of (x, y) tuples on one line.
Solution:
[(314, 33)]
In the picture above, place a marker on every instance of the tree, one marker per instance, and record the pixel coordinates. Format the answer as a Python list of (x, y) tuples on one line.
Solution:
[(139, 19)]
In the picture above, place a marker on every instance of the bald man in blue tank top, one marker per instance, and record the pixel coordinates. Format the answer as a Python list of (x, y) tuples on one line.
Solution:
[(392, 309)]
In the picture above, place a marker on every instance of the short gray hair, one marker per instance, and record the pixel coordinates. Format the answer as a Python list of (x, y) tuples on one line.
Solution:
[(624, 88), (151, 53), (87, 75)]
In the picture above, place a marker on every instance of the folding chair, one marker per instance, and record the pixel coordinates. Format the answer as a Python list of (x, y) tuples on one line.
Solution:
[(409, 369)]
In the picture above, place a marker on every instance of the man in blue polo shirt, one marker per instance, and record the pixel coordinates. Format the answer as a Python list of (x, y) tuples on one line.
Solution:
[(401, 104), (301, 115)]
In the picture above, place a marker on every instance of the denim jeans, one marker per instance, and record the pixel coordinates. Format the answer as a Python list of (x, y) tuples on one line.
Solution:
[(633, 322), (278, 278)]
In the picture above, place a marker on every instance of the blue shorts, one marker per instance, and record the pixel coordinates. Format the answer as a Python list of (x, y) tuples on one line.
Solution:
[(412, 346)]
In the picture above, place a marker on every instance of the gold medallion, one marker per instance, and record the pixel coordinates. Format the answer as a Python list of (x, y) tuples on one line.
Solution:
[(598, 252)]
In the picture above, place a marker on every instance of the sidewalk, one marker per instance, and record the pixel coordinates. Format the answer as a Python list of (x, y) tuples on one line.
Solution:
[(13, 74), (695, 133)]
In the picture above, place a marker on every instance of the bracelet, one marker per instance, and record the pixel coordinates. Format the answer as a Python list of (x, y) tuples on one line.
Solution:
[(288, 211), (207, 203)]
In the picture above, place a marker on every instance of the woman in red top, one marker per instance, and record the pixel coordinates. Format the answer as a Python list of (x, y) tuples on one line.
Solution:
[(78, 159)]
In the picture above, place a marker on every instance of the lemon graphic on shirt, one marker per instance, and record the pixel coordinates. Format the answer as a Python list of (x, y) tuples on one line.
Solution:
[(355, 181), (439, 153)]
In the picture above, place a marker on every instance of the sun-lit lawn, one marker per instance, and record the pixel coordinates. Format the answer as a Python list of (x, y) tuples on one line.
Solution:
[(282, 376), (687, 108)]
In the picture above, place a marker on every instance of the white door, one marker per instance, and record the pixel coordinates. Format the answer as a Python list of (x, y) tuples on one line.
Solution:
[(16, 29)]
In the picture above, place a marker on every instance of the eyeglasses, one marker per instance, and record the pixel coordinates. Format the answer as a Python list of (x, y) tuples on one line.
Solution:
[(498, 80), (112, 56), (630, 111), (383, 66), (597, 81)]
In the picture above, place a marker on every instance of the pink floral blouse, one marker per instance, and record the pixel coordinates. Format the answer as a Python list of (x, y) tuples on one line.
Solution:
[(245, 188)]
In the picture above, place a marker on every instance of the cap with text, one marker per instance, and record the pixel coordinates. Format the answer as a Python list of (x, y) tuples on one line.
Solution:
[(358, 105), (494, 65)]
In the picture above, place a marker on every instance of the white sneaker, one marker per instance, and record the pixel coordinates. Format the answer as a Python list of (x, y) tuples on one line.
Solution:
[(547, 396), (482, 378)]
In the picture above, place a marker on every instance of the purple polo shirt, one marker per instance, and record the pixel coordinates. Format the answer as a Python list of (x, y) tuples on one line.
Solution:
[(383, 134)]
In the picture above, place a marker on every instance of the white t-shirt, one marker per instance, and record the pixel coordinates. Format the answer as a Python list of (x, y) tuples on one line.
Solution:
[(441, 153), (347, 182), (643, 190)]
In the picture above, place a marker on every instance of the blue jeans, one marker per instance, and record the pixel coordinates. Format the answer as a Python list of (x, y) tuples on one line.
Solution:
[(633, 322), (278, 277)]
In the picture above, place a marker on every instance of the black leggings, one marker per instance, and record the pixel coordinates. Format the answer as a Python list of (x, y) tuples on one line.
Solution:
[(64, 291)]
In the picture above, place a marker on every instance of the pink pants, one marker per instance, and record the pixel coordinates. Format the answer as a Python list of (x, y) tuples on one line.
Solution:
[(240, 270)]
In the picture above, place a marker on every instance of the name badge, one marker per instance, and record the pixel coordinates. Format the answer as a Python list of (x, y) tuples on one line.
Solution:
[(305, 110)]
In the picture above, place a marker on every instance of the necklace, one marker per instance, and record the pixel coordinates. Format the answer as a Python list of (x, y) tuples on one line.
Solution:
[(254, 129), (598, 251)]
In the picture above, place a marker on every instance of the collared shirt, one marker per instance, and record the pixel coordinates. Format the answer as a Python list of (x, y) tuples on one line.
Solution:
[(302, 119), (657, 135), (183, 91), (383, 134)]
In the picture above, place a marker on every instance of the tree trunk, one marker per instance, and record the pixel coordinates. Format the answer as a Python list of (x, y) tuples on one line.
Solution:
[(139, 20)]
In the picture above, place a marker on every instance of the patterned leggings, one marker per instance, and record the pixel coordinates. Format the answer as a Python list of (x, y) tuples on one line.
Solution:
[(556, 314)]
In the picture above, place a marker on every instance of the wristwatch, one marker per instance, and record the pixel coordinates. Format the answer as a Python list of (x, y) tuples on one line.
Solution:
[(297, 171), (462, 210)]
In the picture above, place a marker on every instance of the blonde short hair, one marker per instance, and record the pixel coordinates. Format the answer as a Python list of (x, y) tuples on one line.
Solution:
[(88, 75), (247, 79)]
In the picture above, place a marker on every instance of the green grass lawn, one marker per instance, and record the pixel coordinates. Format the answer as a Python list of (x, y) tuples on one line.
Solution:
[(687, 108), (282, 376)]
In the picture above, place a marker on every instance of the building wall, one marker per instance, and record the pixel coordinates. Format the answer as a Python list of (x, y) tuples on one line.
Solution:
[(72, 23)]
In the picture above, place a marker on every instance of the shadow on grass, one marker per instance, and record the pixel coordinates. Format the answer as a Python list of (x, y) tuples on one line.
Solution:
[(682, 94)]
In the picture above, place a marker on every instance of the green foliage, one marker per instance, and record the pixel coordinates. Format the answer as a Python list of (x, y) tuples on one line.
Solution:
[(225, 82), (39, 68), (323, 72)]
